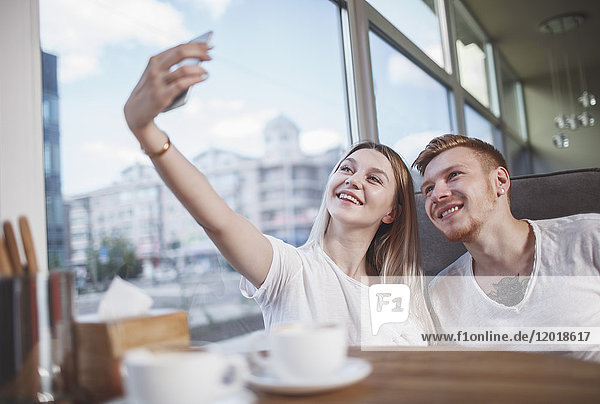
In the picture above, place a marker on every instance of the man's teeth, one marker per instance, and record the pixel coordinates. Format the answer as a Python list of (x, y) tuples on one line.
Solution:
[(350, 198), (454, 209)]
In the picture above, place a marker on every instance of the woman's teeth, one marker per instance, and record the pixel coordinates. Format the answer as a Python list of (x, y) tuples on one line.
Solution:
[(350, 198)]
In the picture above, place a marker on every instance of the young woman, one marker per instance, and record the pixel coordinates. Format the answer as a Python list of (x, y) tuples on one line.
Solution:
[(366, 225)]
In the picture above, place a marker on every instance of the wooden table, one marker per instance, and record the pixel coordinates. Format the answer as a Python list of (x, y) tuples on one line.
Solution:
[(424, 376)]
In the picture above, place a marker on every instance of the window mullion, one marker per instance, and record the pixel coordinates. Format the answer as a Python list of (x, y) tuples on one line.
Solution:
[(358, 24), (457, 90)]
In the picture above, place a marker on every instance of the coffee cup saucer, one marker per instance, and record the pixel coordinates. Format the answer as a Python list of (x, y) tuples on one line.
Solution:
[(352, 371), (240, 396)]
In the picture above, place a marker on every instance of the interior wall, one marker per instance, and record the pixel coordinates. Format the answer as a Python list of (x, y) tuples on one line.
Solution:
[(22, 190), (540, 106)]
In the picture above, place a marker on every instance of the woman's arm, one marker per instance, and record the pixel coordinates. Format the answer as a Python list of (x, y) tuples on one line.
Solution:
[(242, 244)]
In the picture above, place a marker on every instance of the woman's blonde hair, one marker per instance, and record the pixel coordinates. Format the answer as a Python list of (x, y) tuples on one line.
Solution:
[(395, 250)]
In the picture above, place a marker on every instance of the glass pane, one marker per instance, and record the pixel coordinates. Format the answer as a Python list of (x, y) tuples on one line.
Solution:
[(511, 99), (471, 51), (418, 20), (479, 127), (517, 157), (412, 107), (266, 129)]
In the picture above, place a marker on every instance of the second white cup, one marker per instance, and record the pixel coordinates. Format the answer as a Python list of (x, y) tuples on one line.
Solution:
[(306, 352)]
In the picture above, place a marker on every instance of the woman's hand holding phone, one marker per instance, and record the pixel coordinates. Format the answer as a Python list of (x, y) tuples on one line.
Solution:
[(167, 76), (182, 98)]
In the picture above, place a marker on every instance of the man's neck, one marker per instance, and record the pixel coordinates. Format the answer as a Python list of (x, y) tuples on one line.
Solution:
[(503, 248)]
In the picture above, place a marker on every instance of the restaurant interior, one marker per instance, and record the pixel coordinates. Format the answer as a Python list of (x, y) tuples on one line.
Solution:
[(522, 75)]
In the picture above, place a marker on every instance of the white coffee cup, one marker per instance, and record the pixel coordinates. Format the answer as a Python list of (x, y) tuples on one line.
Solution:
[(183, 377), (305, 352)]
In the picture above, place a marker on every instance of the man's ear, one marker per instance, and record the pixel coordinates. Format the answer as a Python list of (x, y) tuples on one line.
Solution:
[(501, 181), (392, 214)]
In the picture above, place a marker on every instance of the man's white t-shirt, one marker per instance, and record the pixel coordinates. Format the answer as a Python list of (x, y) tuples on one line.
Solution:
[(563, 290), (305, 285)]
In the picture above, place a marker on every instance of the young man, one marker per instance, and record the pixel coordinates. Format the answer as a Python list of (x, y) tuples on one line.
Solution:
[(517, 274)]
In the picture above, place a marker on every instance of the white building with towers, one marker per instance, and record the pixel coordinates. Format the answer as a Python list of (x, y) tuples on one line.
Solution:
[(279, 192)]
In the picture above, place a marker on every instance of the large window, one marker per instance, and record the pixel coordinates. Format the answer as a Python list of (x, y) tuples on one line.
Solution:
[(479, 127), (517, 156), (418, 20), (474, 56), (512, 100), (412, 107), (274, 103)]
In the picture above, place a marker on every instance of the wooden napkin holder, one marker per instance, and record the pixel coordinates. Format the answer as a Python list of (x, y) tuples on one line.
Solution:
[(101, 345)]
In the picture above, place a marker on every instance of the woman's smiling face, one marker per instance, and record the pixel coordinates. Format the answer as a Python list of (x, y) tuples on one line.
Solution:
[(362, 192)]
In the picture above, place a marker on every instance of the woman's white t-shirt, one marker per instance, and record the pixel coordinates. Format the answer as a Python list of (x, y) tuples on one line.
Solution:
[(305, 285)]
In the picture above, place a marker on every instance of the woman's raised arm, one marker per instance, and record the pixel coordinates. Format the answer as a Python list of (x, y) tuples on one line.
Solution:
[(240, 242)]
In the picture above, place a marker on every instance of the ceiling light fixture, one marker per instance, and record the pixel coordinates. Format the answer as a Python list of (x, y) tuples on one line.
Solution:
[(559, 61), (562, 23), (560, 141)]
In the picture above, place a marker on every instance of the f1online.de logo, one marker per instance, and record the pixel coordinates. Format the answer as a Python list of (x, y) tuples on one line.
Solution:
[(388, 303)]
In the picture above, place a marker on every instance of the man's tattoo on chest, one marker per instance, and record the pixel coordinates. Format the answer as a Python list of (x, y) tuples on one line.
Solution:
[(509, 291)]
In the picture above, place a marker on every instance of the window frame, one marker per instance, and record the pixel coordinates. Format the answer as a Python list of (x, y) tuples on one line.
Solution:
[(363, 17)]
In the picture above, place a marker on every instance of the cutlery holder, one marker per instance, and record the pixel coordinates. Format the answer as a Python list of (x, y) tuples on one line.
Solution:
[(37, 350)]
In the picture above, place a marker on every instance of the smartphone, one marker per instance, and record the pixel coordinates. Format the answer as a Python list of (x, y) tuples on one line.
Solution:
[(182, 98)]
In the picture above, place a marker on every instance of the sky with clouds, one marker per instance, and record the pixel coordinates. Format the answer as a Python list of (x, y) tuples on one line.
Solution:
[(271, 57)]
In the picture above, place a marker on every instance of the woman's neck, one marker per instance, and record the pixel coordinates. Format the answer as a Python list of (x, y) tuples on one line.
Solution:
[(348, 249)]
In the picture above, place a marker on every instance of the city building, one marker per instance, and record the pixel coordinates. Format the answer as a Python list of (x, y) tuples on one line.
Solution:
[(55, 223), (279, 192)]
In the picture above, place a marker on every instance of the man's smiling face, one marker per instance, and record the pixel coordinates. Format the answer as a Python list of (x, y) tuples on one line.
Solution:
[(459, 195)]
